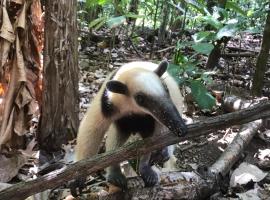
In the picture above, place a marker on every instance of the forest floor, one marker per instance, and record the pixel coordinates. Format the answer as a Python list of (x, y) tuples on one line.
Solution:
[(233, 77)]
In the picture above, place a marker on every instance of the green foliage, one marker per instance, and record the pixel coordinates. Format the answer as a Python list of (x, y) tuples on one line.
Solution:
[(115, 21), (97, 23), (212, 20), (204, 48), (185, 71), (200, 94), (227, 31), (197, 5), (233, 6), (92, 3)]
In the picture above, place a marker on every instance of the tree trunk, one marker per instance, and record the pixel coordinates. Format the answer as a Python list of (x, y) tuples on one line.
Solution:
[(60, 102), (133, 8), (215, 54), (176, 22), (262, 60), (165, 20)]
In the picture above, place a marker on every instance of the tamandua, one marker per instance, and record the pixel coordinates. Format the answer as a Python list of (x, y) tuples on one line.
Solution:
[(139, 97)]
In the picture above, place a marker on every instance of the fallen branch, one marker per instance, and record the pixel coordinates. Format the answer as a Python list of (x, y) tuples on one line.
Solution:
[(88, 166), (191, 185), (232, 153), (245, 54), (241, 49)]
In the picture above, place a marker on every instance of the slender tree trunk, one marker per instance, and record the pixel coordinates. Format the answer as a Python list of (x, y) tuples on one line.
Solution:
[(176, 22), (262, 60), (60, 105), (215, 54), (165, 20), (133, 8)]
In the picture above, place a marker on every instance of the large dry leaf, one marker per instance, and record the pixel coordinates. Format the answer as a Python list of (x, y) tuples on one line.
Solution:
[(7, 33), (9, 166), (4, 186), (22, 117), (4, 51), (6, 133), (18, 1), (246, 173), (21, 75), (24, 67), (22, 18)]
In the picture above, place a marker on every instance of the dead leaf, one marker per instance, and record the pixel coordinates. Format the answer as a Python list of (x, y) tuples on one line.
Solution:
[(18, 1), (7, 134), (22, 18), (69, 197), (249, 195), (29, 149), (113, 189), (246, 173), (7, 31), (4, 186), (21, 75), (9, 166)]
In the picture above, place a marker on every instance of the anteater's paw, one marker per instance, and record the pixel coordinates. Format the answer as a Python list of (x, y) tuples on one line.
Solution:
[(149, 176)]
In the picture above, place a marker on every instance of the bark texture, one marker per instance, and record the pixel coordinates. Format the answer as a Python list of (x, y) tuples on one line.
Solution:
[(60, 104), (262, 60)]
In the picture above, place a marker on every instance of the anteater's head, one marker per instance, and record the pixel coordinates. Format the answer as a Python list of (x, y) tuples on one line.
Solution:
[(140, 89)]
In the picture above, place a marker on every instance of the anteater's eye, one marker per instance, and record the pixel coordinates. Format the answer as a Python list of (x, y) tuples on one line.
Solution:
[(140, 98)]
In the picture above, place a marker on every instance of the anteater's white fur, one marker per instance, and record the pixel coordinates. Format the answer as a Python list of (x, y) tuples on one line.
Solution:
[(138, 76)]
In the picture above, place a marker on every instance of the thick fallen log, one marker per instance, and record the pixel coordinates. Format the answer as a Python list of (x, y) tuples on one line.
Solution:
[(88, 166)]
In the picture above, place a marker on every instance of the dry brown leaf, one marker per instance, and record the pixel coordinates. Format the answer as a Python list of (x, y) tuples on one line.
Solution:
[(7, 31), (23, 98), (9, 166), (18, 1), (21, 75), (7, 130), (4, 51), (69, 197), (22, 18), (113, 189), (26, 110), (20, 123), (29, 152)]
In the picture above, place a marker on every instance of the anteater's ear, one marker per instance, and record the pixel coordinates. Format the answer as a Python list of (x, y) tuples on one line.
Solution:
[(162, 67), (117, 87)]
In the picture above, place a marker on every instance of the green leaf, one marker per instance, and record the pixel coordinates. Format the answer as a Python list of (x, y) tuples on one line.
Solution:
[(175, 71), (201, 96), (235, 7), (131, 15), (97, 21), (197, 5), (183, 44), (204, 48), (212, 21), (92, 3), (201, 36), (116, 21), (228, 30)]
